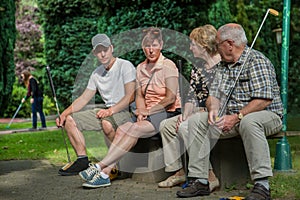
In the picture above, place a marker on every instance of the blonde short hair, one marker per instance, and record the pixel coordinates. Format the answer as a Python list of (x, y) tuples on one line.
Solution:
[(206, 37)]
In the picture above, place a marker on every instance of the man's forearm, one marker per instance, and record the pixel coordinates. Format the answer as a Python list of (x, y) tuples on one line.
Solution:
[(212, 103), (255, 105)]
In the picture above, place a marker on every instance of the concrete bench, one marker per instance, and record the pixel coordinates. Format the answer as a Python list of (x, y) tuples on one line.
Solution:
[(229, 160), (145, 162)]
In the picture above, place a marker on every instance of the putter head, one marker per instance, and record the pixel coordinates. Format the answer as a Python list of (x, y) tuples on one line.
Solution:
[(66, 166)]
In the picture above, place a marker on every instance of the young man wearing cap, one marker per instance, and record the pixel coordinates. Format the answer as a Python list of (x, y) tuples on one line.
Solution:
[(115, 81)]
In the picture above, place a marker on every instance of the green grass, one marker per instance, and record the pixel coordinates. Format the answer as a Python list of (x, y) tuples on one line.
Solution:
[(46, 144), (50, 145), (285, 185), (293, 122)]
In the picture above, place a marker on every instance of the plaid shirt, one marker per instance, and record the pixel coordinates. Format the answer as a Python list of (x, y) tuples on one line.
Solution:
[(256, 81)]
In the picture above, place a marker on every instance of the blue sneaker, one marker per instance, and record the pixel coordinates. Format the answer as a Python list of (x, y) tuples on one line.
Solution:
[(98, 181), (89, 173)]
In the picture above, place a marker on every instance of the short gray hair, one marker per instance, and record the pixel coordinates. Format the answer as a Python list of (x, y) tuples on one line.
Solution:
[(233, 32)]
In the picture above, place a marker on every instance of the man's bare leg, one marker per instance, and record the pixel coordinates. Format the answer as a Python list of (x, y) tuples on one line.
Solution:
[(78, 143)]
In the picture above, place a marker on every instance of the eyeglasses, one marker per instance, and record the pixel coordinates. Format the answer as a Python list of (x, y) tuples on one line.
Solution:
[(220, 43), (153, 46)]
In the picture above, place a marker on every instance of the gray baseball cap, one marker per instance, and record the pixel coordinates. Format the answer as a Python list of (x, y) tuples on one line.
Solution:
[(101, 39)]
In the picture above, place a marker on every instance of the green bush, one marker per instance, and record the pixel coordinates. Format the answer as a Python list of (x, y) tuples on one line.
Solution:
[(19, 91), (177, 19), (70, 24), (7, 43), (68, 28)]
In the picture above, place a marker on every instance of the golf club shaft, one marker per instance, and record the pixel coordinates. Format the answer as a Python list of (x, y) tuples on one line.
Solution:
[(15, 115), (65, 142), (222, 110), (57, 109), (179, 65)]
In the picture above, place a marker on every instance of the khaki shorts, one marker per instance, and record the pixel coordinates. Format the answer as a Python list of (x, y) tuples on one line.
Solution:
[(86, 120)]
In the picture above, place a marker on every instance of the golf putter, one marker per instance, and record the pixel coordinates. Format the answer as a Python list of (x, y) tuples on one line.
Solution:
[(57, 109), (179, 65), (273, 12), (12, 119)]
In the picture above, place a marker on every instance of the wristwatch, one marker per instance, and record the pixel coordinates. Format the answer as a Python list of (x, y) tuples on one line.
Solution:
[(240, 115)]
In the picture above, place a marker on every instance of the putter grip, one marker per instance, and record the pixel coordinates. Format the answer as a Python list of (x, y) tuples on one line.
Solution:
[(51, 82), (179, 65), (273, 12)]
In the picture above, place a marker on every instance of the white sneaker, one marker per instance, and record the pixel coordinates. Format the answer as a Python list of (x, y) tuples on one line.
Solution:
[(99, 180), (89, 173)]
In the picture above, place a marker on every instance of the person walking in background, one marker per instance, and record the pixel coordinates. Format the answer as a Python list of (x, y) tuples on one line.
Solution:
[(35, 92), (254, 111), (114, 79), (203, 47), (157, 98)]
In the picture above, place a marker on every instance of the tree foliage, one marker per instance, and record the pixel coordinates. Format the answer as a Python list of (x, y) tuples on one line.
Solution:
[(169, 15), (70, 24), (68, 28), (29, 45), (7, 41), (294, 62)]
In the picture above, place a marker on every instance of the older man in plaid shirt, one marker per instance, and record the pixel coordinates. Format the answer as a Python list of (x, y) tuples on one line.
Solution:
[(254, 111)]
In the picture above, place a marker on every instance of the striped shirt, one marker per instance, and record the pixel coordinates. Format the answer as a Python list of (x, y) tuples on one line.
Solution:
[(256, 81)]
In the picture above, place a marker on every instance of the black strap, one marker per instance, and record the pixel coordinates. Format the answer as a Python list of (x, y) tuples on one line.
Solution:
[(146, 88)]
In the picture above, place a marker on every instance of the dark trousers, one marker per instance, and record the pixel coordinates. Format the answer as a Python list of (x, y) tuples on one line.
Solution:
[(37, 106)]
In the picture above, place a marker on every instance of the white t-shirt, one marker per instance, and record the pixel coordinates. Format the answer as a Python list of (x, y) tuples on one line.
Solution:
[(110, 84)]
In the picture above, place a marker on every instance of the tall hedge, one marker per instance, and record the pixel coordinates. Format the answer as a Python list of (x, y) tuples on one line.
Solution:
[(7, 42), (176, 18), (68, 27)]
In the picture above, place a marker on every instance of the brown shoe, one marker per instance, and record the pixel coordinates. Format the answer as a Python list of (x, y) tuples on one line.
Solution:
[(114, 173), (259, 192), (194, 188)]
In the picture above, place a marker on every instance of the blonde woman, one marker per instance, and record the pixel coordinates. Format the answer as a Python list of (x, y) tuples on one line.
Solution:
[(203, 46)]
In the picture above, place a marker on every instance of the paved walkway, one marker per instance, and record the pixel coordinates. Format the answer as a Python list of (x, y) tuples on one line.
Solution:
[(9, 131), (38, 180)]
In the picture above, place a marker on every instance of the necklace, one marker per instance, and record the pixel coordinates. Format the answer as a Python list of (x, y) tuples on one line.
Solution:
[(111, 64)]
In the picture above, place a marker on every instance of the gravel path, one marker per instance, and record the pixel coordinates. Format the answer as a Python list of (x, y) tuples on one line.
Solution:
[(38, 180)]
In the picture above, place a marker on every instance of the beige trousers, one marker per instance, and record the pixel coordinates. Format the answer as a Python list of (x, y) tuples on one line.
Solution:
[(253, 129)]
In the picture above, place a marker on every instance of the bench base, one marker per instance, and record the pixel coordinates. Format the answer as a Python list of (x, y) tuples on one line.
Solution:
[(230, 164), (145, 162)]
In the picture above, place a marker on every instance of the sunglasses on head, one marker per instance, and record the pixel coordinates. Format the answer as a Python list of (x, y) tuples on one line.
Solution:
[(152, 31)]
